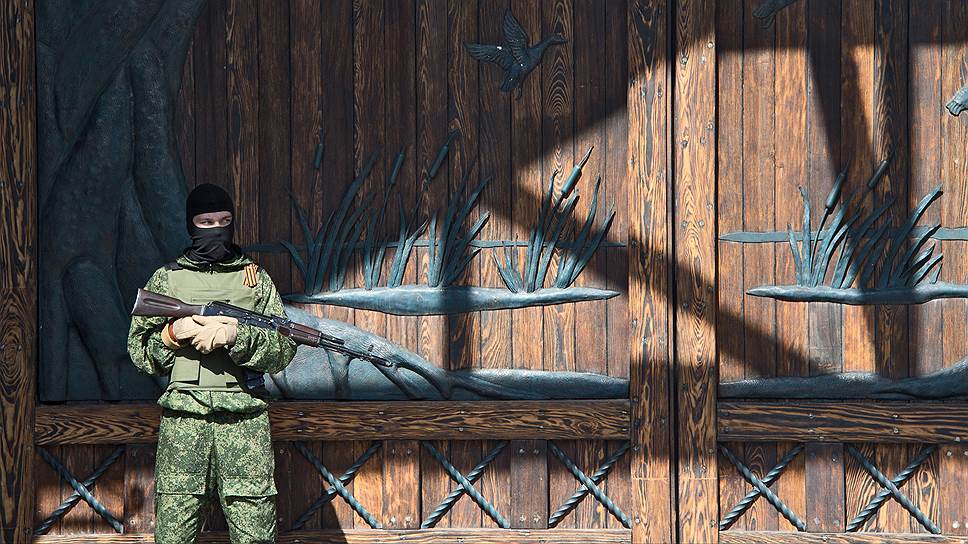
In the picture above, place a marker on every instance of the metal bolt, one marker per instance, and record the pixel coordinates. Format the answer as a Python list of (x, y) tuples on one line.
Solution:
[(536, 451), (521, 451)]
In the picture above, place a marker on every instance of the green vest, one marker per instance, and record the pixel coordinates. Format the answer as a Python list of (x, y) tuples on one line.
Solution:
[(215, 370)]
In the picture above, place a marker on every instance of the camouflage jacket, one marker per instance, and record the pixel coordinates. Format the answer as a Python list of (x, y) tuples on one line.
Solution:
[(255, 348)]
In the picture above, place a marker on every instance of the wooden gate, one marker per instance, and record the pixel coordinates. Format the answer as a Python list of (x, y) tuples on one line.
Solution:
[(703, 118)]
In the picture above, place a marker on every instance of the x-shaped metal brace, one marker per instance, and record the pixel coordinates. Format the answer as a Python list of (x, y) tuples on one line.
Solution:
[(337, 486), (590, 485), (467, 486), (472, 477), (890, 488), (80, 491), (761, 488)]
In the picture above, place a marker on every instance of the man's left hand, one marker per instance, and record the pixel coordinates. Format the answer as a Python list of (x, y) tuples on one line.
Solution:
[(217, 331)]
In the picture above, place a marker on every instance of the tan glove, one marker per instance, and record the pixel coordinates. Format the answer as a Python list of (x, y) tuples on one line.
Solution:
[(177, 333), (216, 331)]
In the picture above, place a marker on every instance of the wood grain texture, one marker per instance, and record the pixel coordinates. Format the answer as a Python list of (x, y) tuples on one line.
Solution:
[(824, 467), (649, 287), (529, 487), (363, 536), (763, 537), (843, 421), (18, 269), (463, 420), (694, 129), (953, 467)]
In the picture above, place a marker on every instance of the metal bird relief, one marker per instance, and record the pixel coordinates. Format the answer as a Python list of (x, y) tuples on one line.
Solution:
[(514, 56)]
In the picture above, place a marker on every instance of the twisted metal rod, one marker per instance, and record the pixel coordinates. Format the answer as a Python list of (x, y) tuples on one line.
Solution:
[(764, 490), (773, 475), (335, 484), (468, 487), (80, 491), (882, 495), (582, 491), (330, 492), (455, 494), (590, 485), (893, 490)]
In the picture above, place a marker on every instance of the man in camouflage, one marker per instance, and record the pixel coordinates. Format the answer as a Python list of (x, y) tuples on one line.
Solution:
[(214, 432)]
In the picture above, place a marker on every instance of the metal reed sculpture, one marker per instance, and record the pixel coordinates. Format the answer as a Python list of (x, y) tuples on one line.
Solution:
[(452, 244), (874, 264)]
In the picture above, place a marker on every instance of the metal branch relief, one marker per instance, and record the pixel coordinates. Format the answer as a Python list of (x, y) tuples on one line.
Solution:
[(874, 264), (452, 244)]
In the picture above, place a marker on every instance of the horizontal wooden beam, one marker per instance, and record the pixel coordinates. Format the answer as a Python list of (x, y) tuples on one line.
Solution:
[(843, 421), (303, 420), (422, 536), (776, 537)]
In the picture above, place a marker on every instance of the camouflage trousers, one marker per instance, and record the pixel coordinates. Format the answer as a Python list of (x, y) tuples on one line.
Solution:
[(227, 451)]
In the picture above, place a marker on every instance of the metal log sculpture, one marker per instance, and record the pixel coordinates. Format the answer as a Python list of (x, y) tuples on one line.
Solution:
[(318, 374), (768, 9)]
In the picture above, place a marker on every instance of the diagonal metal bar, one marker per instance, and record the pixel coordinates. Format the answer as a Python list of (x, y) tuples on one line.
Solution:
[(900, 497), (80, 491), (764, 490), (458, 492), (582, 491), (468, 487), (340, 489), (773, 475), (882, 495), (590, 485), (330, 492)]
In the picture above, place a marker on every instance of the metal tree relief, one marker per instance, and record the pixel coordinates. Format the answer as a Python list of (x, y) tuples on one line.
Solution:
[(452, 243), (515, 56)]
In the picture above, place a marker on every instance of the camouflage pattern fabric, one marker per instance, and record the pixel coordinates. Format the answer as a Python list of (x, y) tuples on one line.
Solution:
[(227, 451), (210, 438)]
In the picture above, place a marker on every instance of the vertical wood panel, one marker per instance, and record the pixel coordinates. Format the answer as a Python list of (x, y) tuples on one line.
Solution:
[(242, 99), (823, 140), (649, 248), (953, 467), (18, 265), (529, 486), (495, 159), (274, 142), (139, 488), (337, 118), (825, 487), (694, 129)]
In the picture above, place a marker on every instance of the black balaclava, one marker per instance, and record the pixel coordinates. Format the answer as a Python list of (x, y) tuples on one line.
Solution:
[(211, 244)]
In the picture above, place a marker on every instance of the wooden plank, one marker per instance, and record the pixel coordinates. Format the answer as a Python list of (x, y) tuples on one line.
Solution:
[(616, 169), (432, 132), (528, 189), (139, 488), (764, 537), (790, 83), (953, 467), (360, 420), (823, 149), (824, 468), (368, 484), (242, 97), (890, 136), (47, 490), (529, 487), (109, 488), (307, 114), (363, 536), (18, 270), (209, 61), (843, 421), (495, 159), (274, 138), (694, 127), (857, 67), (649, 288)]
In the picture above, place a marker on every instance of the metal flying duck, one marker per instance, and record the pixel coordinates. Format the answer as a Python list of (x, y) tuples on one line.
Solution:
[(514, 56)]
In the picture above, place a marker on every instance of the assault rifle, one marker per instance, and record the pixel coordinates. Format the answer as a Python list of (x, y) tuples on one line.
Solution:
[(149, 303)]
